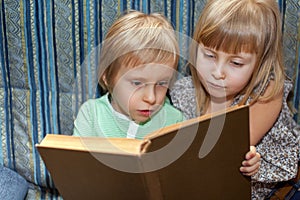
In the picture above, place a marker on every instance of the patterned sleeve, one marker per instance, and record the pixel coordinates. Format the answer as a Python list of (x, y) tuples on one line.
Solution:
[(279, 148), (183, 97)]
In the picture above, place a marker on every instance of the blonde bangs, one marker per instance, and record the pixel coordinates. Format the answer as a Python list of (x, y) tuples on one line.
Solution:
[(146, 56), (247, 26), (232, 41), (237, 33)]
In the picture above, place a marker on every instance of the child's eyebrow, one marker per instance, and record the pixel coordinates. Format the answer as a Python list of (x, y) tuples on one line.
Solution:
[(145, 79), (238, 56), (135, 77), (242, 55)]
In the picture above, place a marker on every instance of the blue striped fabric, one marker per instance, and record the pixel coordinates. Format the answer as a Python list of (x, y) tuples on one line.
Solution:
[(48, 54)]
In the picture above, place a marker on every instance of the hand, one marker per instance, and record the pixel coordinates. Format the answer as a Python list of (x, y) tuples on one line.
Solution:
[(251, 163)]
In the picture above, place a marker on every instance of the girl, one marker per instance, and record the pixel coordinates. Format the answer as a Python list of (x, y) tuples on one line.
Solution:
[(236, 58)]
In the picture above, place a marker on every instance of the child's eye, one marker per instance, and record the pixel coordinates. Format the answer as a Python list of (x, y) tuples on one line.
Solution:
[(209, 55), (237, 64), (136, 83), (163, 83)]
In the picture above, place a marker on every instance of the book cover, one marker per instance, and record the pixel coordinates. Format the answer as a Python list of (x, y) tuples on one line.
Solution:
[(195, 159)]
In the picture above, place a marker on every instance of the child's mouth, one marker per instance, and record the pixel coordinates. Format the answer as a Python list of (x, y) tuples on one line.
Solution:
[(146, 113)]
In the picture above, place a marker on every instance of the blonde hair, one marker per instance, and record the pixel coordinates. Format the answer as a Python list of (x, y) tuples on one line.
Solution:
[(135, 39), (234, 26)]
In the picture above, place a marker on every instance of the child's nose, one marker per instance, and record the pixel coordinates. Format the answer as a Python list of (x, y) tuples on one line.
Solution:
[(218, 72), (149, 94)]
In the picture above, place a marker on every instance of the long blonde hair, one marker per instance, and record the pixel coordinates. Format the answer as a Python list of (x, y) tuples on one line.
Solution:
[(136, 38), (234, 26)]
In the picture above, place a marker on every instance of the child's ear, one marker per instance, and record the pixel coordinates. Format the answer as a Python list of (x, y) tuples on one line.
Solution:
[(104, 79)]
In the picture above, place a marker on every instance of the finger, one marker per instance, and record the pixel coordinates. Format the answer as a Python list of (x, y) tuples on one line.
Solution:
[(250, 154), (250, 173), (253, 149), (250, 170), (252, 161)]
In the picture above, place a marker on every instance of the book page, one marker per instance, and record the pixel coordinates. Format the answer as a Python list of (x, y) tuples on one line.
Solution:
[(94, 144)]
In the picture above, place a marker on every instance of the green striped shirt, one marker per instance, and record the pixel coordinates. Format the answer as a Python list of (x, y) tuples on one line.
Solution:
[(97, 117)]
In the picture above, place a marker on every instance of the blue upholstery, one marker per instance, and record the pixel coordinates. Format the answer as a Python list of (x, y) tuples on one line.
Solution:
[(12, 185)]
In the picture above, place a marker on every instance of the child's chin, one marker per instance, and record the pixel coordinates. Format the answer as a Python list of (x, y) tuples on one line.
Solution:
[(142, 121)]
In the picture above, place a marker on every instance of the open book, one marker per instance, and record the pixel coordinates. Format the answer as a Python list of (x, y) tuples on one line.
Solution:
[(196, 159)]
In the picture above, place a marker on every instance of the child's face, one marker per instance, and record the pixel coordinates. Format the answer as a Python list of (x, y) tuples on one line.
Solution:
[(224, 75), (139, 92)]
